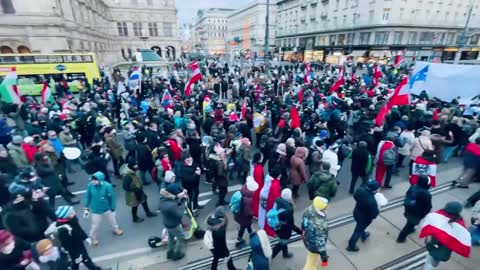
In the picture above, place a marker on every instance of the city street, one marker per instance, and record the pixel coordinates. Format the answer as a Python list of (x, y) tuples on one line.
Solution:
[(130, 251)]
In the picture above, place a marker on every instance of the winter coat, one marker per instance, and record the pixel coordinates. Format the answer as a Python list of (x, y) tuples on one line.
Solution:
[(315, 161), (12, 261), (366, 207), (220, 169), (49, 178), (175, 148), (361, 161), (261, 251), (61, 263), (286, 219), (30, 151), (244, 217), (245, 152), (471, 157), (153, 138), (18, 155), (25, 221), (172, 211), (8, 167), (129, 140), (67, 139), (115, 149), (187, 176), (218, 227), (331, 157), (422, 203), (100, 198), (144, 157), (322, 184), (298, 173), (72, 240), (268, 194), (133, 186), (315, 229), (420, 144)]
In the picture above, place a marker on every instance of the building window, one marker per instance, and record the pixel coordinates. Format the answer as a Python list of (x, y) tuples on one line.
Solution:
[(412, 38), (150, 2), (442, 38), (346, 4), (474, 40), (354, 3), (337, 4), (341, 39), (386, 14), (153, 29), (400, 14), (137, 29), (371, 14), (122, 29), (397, 37), (426, 37), (168, 29), (344, 22), (381, 37), (364, 38), (335, 21), (333, 40), (350, 38), (134, 2)]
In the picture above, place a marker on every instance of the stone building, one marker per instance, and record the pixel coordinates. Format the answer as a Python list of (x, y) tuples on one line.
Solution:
[(113, 29)]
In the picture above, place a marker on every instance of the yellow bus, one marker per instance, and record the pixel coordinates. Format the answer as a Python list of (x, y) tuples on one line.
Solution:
[(34, 69)]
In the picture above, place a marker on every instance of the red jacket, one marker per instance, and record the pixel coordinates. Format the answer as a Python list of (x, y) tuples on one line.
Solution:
[(176, 150), (258, 175), (30, 151)]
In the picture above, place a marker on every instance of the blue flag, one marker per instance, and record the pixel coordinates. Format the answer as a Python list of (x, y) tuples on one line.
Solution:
[(367, 79), (421, 75)]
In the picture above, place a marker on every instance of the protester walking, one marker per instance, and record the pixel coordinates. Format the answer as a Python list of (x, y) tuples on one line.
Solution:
[(315, 236)]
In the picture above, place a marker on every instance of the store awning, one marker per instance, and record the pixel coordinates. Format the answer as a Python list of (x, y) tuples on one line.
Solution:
[(357, 53)]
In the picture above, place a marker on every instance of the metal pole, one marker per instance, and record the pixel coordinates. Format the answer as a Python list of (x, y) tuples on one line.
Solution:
[(464, 38), (267, 32)]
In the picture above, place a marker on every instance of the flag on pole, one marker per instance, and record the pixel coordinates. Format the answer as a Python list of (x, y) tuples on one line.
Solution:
[(46, 94), (166, 97), (401, 96), (244, 109), (8, 89), (425, 167), (195, 77), (453, 235), (376, 75), (308, 70), (295, 118), (135, 79), (399, 59), (337, 85)]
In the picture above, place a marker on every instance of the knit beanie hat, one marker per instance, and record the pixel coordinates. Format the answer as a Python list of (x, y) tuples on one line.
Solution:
[(372, 185), (169, 176), (282, 149), (320, 203), (219, 212), (251, 184), (43, 245), (17, 139), (174, 189), (287, 194), (453, 208), (4, 236), (63, 211)]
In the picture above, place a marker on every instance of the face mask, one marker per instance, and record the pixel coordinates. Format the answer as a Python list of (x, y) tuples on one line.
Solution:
[(8, 248), (51, 257)]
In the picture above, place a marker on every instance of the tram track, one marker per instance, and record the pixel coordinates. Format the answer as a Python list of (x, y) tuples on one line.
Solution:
[(414, 259)]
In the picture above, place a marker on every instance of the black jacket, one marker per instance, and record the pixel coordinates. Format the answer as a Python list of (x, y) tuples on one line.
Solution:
[(218, 227), (72, 240), (359, 161), (286, 219), (25, 221), (12, 261), (422, 203), (144, 157), (366, 207), (153, 138), (186, 175)]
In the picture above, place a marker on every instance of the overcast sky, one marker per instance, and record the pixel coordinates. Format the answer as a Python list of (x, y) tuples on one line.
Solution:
[(187, 9)]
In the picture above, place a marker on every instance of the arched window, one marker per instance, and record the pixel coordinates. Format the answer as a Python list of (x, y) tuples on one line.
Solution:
[(23, 49), (6, 49)]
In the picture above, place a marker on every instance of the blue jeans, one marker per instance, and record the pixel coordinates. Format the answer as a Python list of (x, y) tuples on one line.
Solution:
[(447, 152)]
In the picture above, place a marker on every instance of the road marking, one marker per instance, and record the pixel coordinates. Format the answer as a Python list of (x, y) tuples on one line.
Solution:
[(122, 254), (230, 189)]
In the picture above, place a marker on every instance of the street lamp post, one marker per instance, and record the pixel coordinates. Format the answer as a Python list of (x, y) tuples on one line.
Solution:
[(267, 32), (464, 38)]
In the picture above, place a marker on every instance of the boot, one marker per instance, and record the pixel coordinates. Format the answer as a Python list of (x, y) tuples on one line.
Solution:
[(240, 243), (151, 214), (138, 220), (117, 231)]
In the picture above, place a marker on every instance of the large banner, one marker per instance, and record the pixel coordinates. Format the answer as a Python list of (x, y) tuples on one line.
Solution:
[(447, 81)]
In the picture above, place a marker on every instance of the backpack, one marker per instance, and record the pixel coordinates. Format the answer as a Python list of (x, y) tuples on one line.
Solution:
[(52, 233), (389, 157), (272, 218), (236, 202)]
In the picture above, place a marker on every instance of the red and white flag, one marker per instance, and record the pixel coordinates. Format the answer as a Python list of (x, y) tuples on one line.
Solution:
[(376, 75), (308, 70), (401, 96), (196, 76), (46, 94), (294, 118), (340, 82), (244, 109), (399, 59), (425, 167), (453, 235)]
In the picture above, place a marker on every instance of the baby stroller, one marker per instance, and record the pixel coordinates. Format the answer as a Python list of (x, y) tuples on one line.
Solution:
[(189, 225)]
